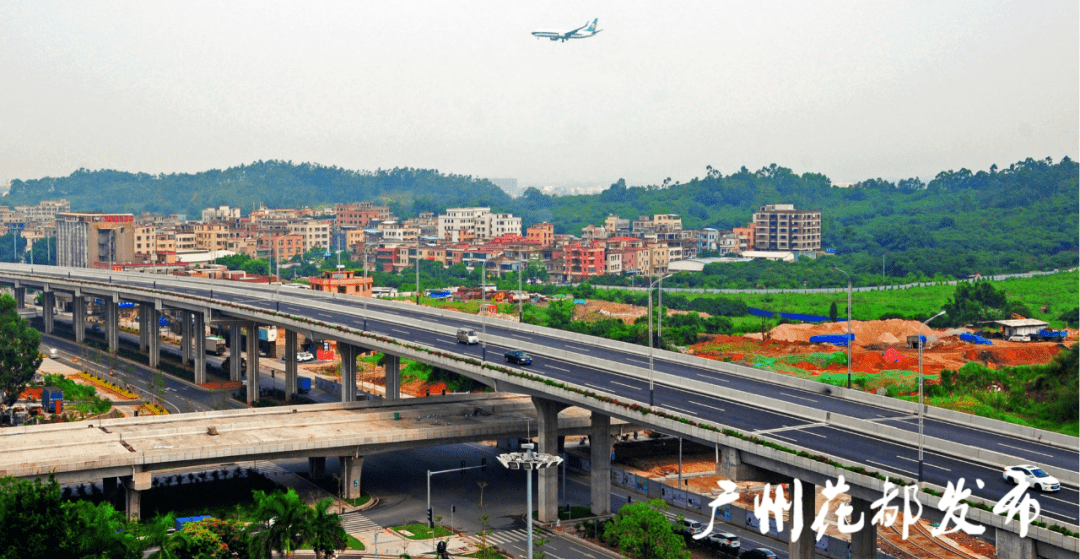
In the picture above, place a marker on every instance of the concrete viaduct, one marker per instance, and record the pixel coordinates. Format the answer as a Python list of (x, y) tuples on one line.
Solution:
[(743, 457)]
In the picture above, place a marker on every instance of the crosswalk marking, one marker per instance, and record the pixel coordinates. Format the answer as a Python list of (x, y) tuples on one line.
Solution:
[(503, 537), (355, 523)]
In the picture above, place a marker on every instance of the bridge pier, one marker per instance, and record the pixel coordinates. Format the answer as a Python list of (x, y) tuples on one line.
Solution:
[(200, 348), (316, 465), (804, 548), (600, 469), (1009, 545), (235, 341), (134, 485), (290, 365), (547, 419), (348, 371), (863, 542), (351, 470), (78, 317), (732, 467), (185, 337), (392, 364), (144, 339), (48, 306), (112, 324), (253, 364), (20, 297), (152, 325)]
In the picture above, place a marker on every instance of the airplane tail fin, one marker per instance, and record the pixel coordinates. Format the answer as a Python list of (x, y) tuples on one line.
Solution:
[(592, 26)]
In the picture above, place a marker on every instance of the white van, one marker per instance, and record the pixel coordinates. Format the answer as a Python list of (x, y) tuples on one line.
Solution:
[(466, 336), (53, 353)]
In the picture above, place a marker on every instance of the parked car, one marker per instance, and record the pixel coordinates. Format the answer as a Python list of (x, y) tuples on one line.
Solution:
[(304, 357), (759, 553), (1033, 475), (1019, 338), (689, 527), (467, 336), (724, 541), (518, 356)]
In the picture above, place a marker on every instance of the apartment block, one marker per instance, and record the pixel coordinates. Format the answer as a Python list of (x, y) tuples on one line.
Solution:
[(360, 215), (342, 281), (315, 233), (489, 226), (584, 260), (221, 213), (458, 220), (781, 227), (85, 240), (542, 233), (211, 236), (44, 211)]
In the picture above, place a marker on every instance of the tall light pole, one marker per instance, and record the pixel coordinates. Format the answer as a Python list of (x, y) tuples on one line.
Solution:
[(418, 272), (521, 291), (649, 293), (529, 461), (921, 394), (849, 339)]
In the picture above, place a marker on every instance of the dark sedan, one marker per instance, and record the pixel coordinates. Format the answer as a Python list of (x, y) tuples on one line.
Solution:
[(518, 356)]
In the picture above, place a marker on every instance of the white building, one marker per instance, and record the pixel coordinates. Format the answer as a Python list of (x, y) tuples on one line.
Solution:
[(315, 233), (489, 226), (479, 223), (221, 213)]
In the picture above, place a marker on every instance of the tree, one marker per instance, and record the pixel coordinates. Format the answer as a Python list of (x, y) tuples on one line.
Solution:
[(832, 312), (196, 541), (19, 354), (974, 301), (327, 535), (156, 534), (289, 520), (641, 531)]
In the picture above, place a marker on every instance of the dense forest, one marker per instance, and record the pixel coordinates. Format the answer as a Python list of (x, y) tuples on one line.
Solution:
[(1013, 219)]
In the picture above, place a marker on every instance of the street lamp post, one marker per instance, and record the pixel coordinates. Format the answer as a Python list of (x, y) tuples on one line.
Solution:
[(921, 409), (649, 293), (529, 461), (521, 291), (849, 340)]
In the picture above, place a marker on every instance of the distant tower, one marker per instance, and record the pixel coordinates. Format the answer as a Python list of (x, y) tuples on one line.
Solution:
[(509, 186)]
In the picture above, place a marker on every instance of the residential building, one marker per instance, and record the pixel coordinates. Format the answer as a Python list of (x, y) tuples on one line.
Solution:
[(85, 240), (658, 223), (746, 236), (613, 264), (584, 260), (489, 225), (146, 241), (221, 213), (781, 227), (44, 211), (615, 225), (342, 281), (360, 215), (280, 247), (593, 233), (542, 233), (211, 236), (315, 233), (396, 232)]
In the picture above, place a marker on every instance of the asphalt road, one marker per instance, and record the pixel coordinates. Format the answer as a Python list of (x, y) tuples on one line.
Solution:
[(881, 455)]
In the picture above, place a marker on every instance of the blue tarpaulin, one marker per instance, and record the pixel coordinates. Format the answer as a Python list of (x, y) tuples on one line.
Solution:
[(580, 302), (792, 316), (972, 338), (122, 304), (838, 339)]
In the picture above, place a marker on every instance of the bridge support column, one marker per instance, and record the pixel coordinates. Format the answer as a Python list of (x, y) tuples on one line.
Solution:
[(290, 364), (200, 348), (348, 371), (185, 337), (78, 317), (253, 364), (20, 297), (316, 465), (144, 340), (152, 325), (863, 542), (732, 467), (351, 469), (48, 306), (600, 469), (804, 548), (547, 419), (112, 324), (235, 342), (134, 485), (392, 364), (1009, 545)]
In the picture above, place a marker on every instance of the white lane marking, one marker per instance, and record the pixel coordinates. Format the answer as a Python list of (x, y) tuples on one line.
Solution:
[(1025, 450), (814, 434), (705, 405), (925, 463), (594, 386), (684, 410), (638, 360), (516, 335), (1056, 499), (324, 315), (626, 385), (399, 331), (781, 437), (559, 368), (446, 341), (889, 466), (802, 398)]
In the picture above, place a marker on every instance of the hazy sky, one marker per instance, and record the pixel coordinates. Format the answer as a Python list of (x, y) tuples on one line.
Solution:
[(853, 89)]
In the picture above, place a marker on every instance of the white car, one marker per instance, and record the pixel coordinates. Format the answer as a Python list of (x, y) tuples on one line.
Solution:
[(1033, 475), (304, 357), (1019, 338)]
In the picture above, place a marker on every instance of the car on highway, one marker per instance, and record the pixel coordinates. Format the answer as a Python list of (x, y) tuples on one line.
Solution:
[(1033, 475), (467, 336), (759, 553), (688, 527), (724, 541), (518, 356)]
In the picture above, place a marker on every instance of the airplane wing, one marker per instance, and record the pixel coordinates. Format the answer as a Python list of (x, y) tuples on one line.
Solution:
[(568, 34)]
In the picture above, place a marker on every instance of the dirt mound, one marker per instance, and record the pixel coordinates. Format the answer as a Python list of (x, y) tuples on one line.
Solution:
[(865, 332)]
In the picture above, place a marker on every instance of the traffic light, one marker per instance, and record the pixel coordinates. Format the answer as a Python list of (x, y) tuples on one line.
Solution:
[(483, 464), (430, 522)]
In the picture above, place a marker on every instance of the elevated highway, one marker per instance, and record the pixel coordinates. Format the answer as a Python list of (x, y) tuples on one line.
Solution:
[(695, 399)]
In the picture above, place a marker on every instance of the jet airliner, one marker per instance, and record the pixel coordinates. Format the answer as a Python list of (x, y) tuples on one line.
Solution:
[(572, 34)]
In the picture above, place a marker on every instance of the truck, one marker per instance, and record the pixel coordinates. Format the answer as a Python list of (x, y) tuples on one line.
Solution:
[(1052, 335), (303, 385), (52, 399), (215, 345)]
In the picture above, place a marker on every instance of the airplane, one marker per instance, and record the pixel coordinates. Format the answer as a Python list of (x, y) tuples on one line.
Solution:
[(573, 34)]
